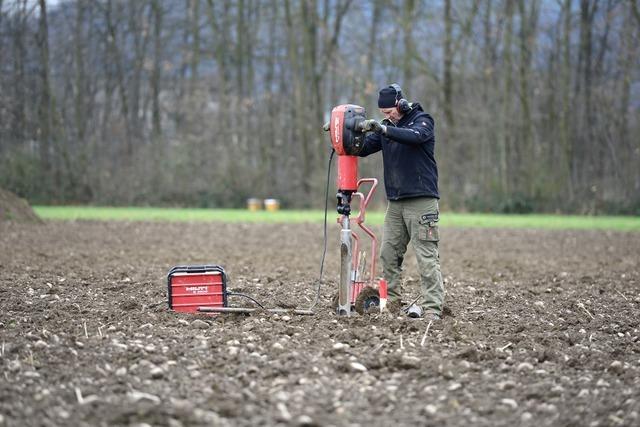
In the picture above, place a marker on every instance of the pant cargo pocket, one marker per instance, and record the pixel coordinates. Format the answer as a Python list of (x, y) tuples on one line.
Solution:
[(428, 227), (429, 233)]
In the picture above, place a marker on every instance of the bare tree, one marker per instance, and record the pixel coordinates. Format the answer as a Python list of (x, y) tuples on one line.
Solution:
[(157, 64), (528, 23), (534, 100), (46, 105)]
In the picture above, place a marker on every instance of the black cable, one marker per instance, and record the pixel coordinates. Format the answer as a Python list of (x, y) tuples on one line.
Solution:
[(324, 244), (236, 294)]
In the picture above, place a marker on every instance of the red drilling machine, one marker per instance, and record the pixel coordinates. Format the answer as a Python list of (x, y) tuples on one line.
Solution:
[(357, 289), (203, 288)]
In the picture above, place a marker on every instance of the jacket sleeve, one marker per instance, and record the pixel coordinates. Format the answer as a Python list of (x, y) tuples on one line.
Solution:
[(372, 144), (418, 133)]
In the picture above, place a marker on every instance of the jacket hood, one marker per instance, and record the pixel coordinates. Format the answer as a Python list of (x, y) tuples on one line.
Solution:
[(416, 106)]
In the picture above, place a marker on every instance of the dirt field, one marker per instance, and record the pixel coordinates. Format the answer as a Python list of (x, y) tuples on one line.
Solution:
[(543, 331)]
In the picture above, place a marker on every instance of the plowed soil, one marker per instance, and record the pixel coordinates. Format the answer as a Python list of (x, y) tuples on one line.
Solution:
[(542, 329)]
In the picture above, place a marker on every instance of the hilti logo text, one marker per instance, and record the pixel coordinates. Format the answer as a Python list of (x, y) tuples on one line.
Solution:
[(336, 128), (196, 289)]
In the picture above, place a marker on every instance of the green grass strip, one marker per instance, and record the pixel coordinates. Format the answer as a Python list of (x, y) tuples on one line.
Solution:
[(448, 219)]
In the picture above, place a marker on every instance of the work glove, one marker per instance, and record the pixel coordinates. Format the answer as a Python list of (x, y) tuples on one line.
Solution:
[(372, 126), (378, 128), (365, 125)]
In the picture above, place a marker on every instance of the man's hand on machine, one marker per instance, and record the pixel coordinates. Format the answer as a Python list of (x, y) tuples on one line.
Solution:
[(372, 126)]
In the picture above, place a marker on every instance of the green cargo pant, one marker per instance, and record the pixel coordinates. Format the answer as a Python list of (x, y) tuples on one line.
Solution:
[(414, 220)]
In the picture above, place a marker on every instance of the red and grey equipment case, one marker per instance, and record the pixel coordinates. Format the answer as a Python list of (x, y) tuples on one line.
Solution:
[(193, 286)]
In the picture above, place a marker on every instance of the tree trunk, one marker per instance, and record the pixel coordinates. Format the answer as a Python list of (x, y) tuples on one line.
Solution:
[(488, 88), (295, 106), (527, 152), (195, 51), (114, 57), (583, 95), (138, 32), (505, 117), (45, 106), (629, 146), (368, 87), (408, 17), (19, 122), (566, 141), (157, 64), (81, 77), (447, 79)]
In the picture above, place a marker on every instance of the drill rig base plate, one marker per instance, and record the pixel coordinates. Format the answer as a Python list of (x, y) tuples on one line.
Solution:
[(367, 299)]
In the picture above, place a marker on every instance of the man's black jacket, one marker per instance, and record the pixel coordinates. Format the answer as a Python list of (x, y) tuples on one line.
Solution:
[(410, 168)]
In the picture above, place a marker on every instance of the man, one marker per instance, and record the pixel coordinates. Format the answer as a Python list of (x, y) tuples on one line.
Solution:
[(406, 138)]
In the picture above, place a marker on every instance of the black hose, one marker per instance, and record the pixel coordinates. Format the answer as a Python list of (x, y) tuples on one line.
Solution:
[(236, 294), (324, 246), (324, 243)]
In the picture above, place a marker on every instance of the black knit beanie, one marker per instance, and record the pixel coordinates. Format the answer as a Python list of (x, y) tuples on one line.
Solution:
[(387, 97)]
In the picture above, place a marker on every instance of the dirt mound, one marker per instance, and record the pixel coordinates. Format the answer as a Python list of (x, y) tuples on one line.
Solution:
[(13, 208)]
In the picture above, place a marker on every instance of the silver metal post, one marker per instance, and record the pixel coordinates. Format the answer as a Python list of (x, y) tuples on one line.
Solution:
[(344, 291)]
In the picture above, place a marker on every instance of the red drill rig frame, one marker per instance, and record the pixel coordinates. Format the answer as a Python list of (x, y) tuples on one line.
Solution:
[(356, 291), (347, 138)]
